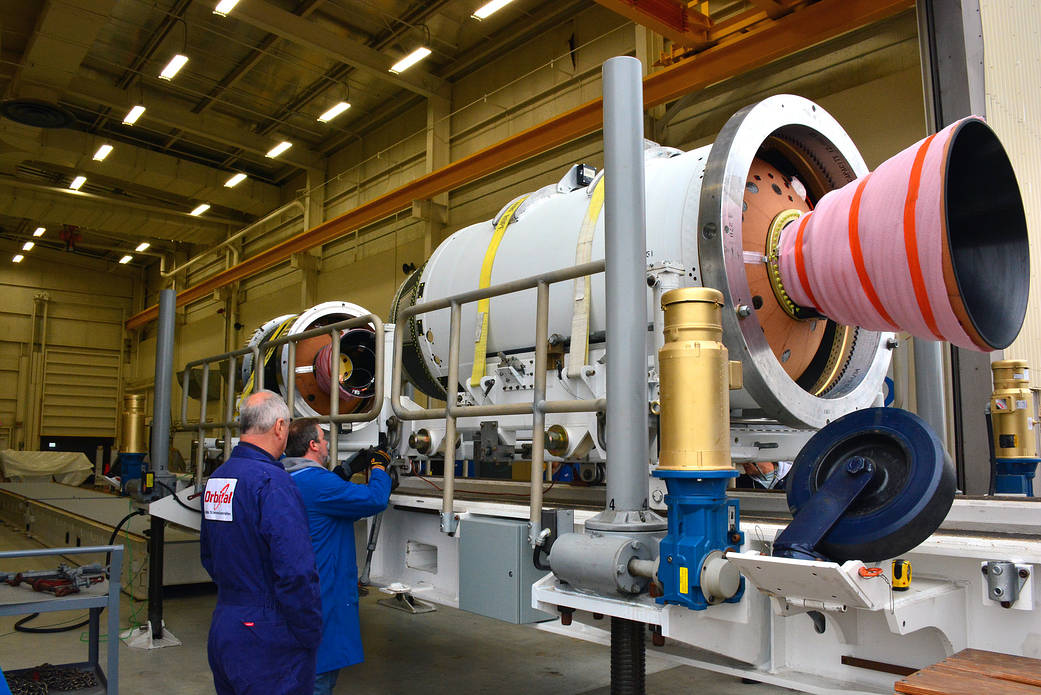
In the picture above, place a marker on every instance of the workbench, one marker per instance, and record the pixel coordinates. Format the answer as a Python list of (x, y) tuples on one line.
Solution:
[(19, 600)]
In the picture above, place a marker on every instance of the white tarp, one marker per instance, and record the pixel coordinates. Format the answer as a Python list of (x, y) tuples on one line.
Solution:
[(69, 467)]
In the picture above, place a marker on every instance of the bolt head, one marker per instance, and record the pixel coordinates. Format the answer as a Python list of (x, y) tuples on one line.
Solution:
[(1023, 574), (997, 569), (983, 569), (744, 311), (668, 559), (855, 465)]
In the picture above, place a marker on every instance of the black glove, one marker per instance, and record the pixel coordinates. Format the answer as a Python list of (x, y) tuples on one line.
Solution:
[(364, 459), (394, 481)]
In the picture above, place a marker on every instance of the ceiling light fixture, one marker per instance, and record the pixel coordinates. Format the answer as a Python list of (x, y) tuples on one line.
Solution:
[(334, 112), (410, 60), (39, 231), (224, 7), (77, 182), (143, 246), (18, 258), (28, 246), (133, 115), (199, 210), (235, 180), (125, 259), (490, 8), (102, 152), (278, 149), (173, 67)]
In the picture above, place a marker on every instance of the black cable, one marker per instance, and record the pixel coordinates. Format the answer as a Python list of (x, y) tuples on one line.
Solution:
[(176, 498), (991, 490), (536, 560), (115, 531), (19, 626)]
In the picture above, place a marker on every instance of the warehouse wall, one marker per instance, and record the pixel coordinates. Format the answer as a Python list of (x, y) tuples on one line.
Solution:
[(870, 80), (1012, 69), (62, 375)]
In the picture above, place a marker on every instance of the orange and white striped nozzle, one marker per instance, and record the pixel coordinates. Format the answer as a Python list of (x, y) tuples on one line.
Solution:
[(933, 242)]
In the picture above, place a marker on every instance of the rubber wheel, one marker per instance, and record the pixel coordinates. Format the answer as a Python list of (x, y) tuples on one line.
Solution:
[(908, 497)]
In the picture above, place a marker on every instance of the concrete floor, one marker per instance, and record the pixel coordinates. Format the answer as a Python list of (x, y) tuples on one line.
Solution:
[(448, 651)]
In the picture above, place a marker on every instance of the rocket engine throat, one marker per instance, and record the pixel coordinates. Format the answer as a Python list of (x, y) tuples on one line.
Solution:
[(933, 242)]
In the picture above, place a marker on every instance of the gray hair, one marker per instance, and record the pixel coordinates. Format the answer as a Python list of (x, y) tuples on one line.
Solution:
[(261, 411)]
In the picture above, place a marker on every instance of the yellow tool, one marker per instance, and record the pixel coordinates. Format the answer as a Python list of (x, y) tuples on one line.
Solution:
[(901, 575)]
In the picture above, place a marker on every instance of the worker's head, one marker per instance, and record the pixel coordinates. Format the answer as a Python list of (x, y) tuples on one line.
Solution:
[(264, 422), (307, 440)]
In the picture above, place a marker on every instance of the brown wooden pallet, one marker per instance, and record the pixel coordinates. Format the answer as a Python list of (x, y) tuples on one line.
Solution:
[(974, 671)]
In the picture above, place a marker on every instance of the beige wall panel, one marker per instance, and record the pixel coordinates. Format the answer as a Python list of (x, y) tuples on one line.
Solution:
[(88, 300), (1012, 68)]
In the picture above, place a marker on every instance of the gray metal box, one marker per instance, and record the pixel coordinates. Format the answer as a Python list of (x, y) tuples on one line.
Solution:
[(496, 571)]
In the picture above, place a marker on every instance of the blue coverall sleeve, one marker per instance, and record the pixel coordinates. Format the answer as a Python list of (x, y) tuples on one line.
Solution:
[(337, 498), (283, 525)]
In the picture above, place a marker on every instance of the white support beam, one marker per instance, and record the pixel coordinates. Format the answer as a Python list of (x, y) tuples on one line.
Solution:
[(137, 166), (53, 207), (64, 33), (304, 32), (212, 126)]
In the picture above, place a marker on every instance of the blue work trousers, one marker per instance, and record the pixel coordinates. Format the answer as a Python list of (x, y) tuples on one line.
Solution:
[(252, 652), (325, 682)]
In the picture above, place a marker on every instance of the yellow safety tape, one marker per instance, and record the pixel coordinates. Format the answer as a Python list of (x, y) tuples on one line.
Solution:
[(248, 388), (579, 354), (481, 338)]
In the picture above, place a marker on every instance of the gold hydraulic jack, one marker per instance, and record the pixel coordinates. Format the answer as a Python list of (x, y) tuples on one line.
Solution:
[(1014, 438)]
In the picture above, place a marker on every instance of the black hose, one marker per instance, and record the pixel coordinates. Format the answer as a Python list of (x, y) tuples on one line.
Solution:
[(19, 626), (628, 657), (176, 498), (536, 560), (115, 531)]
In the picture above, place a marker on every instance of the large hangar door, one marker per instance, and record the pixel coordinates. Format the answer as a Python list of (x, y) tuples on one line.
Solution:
[(80, 393)]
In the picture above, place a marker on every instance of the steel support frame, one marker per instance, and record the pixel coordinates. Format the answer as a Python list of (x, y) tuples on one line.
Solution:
[(333, 419), (816, 23), (538, 407)]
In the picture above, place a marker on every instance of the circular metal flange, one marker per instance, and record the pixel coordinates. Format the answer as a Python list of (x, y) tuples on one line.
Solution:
[(807, 131), (911, 490), (318, 315)]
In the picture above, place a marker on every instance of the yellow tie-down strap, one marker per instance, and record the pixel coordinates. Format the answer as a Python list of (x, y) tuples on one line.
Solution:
[(583, 286), (481, 337), (248, 388)]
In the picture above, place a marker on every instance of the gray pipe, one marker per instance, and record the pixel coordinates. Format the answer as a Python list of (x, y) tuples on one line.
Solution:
[(626, 251), (930, 396), (164, 346)]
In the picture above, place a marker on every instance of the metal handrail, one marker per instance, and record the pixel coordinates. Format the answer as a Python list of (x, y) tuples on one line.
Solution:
[(334, 417), (538, 407)]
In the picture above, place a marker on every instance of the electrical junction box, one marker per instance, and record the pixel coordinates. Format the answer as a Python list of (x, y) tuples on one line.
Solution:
[(496, 570)]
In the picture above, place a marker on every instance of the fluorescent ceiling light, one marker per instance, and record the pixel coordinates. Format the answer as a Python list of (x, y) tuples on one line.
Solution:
[(410, 60), (39, 231), (278, 149), (102, 152), (199, 210), (143, 246), (18, 258), (125, 259), (77, 182), (490, 8), (173, 67), (235, 180), (334, 112), (133, 115), (224, 7), (28, 246)]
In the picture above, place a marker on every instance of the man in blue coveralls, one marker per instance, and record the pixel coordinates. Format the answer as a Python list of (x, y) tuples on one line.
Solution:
[(333, 505), (254, 539)]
